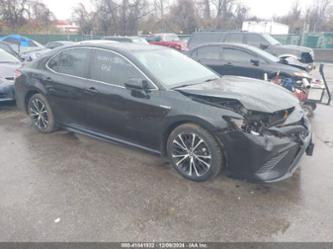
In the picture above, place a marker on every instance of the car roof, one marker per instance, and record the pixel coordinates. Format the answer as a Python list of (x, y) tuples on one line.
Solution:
[(118, 46)]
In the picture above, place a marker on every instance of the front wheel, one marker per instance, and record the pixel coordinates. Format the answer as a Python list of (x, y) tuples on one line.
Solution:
[(194, 152), (41, 114)]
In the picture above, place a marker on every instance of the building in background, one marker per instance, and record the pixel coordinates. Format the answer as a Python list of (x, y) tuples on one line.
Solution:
[(269, 27), (67, 26)]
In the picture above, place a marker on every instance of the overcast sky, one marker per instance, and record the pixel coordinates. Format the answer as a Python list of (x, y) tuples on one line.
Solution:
[(260, 8)]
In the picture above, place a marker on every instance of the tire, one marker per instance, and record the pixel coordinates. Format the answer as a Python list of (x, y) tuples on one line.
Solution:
[(41, 114), (194, 153)]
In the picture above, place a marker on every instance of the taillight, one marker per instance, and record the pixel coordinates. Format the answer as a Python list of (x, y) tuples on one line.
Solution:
[(18, 73)]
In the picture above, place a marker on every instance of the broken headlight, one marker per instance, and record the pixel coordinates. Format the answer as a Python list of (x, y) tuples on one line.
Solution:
[(253, 127)]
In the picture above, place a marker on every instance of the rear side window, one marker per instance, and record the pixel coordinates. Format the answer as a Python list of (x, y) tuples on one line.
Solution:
[(234, 38), (234, 55), (209, 53), (112, 68), (202, 38), (71, 61)]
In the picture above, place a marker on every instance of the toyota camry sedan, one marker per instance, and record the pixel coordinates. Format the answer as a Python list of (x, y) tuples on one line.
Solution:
[(161, 101)]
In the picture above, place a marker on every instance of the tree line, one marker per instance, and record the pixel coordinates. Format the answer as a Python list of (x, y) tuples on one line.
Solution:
[(128, 17)]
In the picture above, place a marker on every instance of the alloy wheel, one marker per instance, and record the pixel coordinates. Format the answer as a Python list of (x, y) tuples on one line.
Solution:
[(191, 154), (39, 114)]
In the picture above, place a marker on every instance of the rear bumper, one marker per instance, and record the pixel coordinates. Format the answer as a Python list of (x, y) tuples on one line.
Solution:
[(7, 91), (267, 158)]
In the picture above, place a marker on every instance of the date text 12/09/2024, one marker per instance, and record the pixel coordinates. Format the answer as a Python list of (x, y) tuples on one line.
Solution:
[(164, 245)]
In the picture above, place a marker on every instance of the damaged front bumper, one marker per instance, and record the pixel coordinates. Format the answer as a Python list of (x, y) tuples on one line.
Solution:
[(269, 158), (7, 91)]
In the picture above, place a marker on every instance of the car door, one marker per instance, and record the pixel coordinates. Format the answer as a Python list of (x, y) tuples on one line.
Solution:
[(210, 56), (115, 111), (65, 81), (241, 63)]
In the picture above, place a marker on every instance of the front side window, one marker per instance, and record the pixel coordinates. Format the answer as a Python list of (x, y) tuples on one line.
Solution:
[(209, 53), (255, 40), (271, 40), (71, 61), (111, 68), (234, 55)]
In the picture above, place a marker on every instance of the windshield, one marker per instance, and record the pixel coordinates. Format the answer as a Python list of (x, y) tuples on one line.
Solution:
[(172, 68), (6, 57), (271, 39)]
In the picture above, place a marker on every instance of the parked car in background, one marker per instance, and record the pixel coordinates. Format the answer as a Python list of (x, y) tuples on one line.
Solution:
[(162, 101), (26, 48), (6, 46), (8, 65), (170, 40), (56, 44), (263, 41), (7, 90), (249, 61), (130, 39), (245, 60), (22, 44)]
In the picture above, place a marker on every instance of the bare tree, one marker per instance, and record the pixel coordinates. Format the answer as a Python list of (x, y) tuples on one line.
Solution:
[(184, 15), (318, 14), (32, 13), (84, 18), (113, 17), (293, 19), (14, 12)]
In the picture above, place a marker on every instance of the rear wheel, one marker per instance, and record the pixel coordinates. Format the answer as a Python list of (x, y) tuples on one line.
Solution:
[(41, 114), (194, 152)]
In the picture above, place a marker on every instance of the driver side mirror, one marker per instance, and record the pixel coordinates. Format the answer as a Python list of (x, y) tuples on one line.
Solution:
[(137, 84), (263, 46), (255, 62), (139, 88)]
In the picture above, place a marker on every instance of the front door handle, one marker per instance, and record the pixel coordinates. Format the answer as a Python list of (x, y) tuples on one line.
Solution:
[(91, 90)]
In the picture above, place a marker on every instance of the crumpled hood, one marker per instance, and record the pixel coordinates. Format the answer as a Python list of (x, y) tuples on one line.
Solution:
[(254, 95)]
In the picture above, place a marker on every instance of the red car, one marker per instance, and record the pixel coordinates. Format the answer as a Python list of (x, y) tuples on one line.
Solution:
[(167, 40)]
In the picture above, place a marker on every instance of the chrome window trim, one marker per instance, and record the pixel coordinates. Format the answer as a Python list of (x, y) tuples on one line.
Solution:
[(97, 81)]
